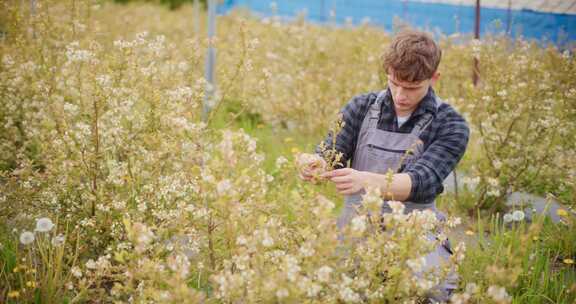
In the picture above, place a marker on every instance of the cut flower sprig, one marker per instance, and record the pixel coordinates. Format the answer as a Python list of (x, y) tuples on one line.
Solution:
[(327, 159)]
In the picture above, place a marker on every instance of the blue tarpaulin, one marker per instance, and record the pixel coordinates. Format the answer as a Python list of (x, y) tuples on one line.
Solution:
[(437, 17)]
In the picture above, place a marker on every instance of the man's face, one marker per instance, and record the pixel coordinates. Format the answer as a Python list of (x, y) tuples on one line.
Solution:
[(407, 95)]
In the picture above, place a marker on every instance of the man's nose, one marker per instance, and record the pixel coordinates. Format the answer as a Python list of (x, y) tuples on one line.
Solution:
[(400, 93)]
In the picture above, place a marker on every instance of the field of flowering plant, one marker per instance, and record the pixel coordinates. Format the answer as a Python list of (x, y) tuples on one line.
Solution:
[(113, 189)]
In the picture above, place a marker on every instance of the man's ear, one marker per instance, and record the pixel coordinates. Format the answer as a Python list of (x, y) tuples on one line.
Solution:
[(434, 78)]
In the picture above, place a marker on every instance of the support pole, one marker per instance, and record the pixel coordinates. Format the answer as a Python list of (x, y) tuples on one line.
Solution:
[(475, 75), (32, 14), (210, 62), (509, 18)]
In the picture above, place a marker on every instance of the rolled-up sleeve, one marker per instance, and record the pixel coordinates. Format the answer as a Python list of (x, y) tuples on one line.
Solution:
[(439, 158)]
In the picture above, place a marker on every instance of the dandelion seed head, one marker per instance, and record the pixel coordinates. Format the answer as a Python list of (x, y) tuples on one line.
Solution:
[(518, 215), (26, 238), (44, 224)]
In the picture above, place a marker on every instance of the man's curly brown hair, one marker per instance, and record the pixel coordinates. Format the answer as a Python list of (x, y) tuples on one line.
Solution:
[(412, 56)]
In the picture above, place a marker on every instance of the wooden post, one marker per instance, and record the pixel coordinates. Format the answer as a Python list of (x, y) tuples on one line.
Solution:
[(475, 72)]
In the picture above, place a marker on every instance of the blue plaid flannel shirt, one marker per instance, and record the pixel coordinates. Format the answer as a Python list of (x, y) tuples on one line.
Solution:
[(445, 140)]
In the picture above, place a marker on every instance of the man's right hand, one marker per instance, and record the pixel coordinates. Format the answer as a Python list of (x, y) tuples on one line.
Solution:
[(310, 166)]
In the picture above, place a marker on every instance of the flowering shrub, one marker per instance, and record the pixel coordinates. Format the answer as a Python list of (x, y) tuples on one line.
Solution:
[(522, 119), (293, 260), (100, 127)]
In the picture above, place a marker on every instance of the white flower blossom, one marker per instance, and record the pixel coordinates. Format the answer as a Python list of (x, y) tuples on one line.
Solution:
[(26, 238), (424, 284), (498, 294), (452, 222), (223, 187), (502, 93), (476, 48), (292, 268), (306, 250), (70, 108), (44, 224), (460, 298), (358, 224), (7, 60), (471, 182), (323, 274), (497, 164), (77, 55), (313, 289), (518, 215), (267, 241), (282, 293), (143, 236), (397, 207), (104, 80), (76, 272), (241, 241), (180, 93), (472, 288), (493, 192), (90, 264), (58, 240), (417, 264), (179, 264), (348, 295), (494, 182), (280, 162)]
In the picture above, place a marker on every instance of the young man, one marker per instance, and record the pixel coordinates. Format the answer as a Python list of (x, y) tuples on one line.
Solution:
[(381, 127)]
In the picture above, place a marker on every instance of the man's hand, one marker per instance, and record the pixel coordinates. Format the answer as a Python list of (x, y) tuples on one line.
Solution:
[(310, 166), (348, 180)]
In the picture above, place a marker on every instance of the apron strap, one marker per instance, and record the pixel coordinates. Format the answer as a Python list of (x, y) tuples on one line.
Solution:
[(374, 111), (426, 119)]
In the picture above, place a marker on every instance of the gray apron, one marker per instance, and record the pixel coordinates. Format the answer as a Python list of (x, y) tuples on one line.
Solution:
[(379, 150)]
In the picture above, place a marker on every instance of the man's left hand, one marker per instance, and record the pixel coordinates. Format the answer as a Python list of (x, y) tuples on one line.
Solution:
[(347, 180)]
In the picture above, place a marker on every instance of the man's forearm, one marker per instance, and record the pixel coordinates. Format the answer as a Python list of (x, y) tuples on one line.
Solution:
[(397, 188)]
